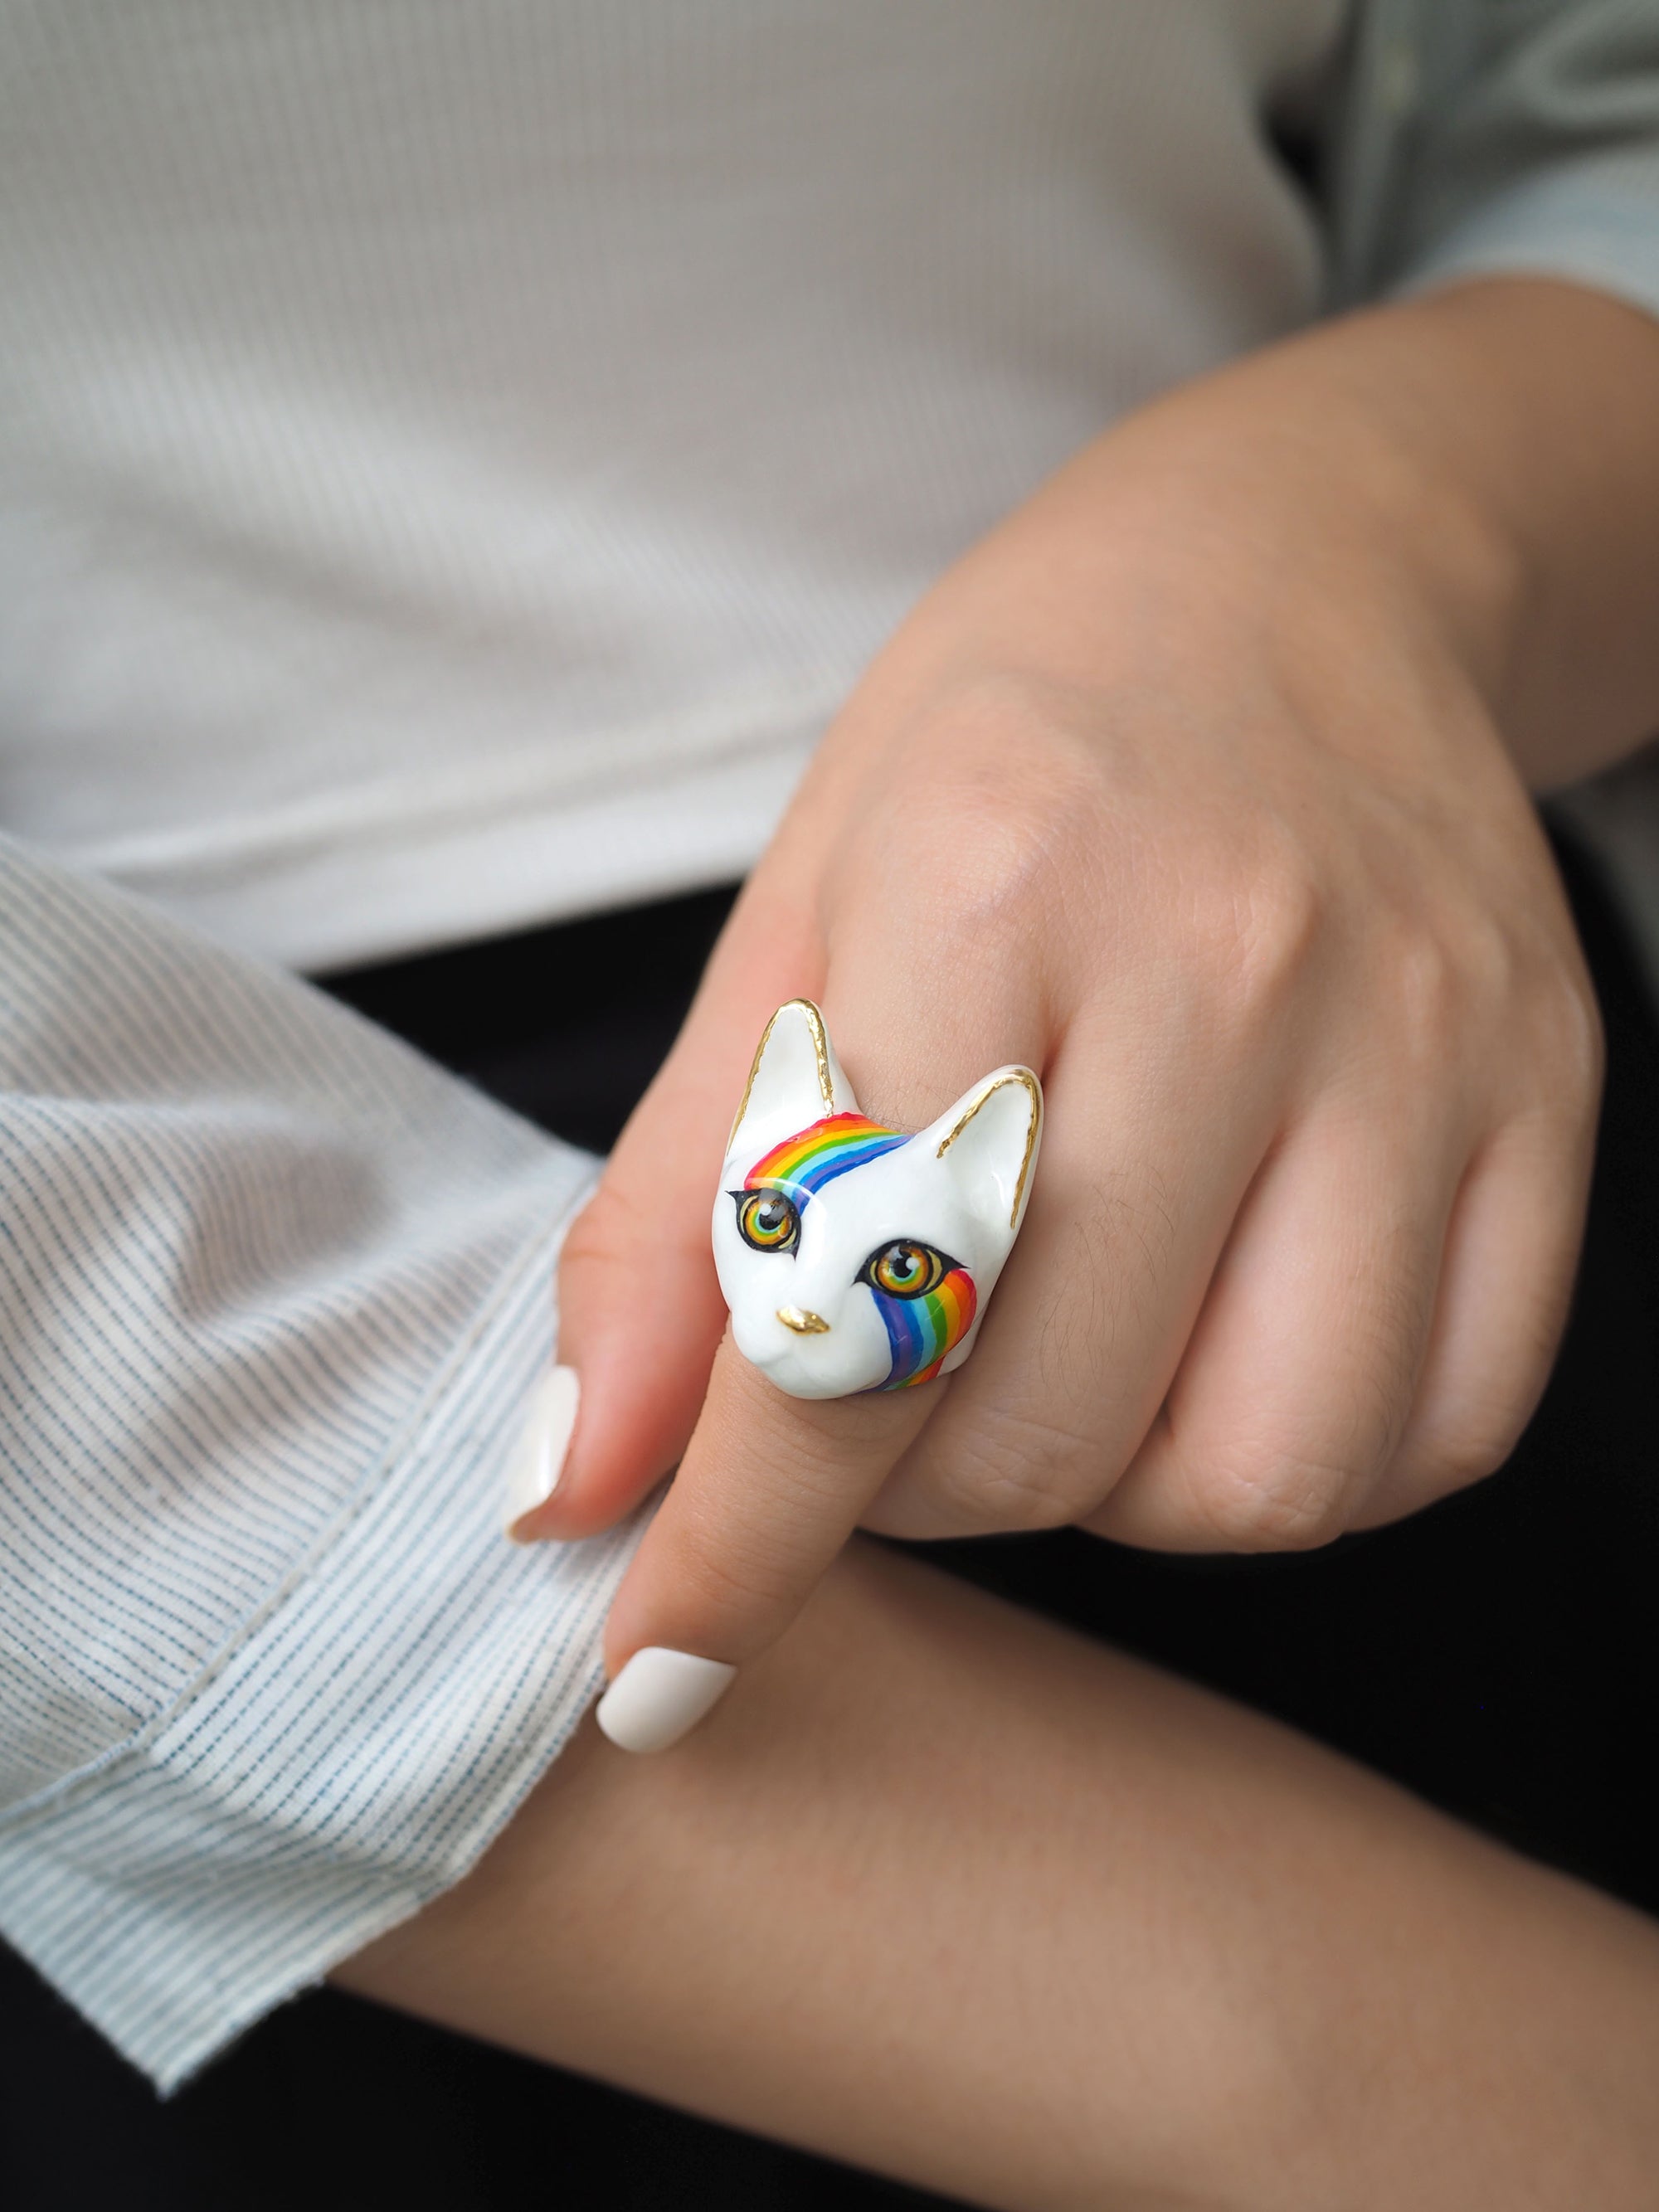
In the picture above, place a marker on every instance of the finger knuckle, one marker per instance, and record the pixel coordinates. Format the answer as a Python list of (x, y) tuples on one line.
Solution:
[(1006, 861), (609, 1226), (1491, 959), (1466, 1453), (1020, 1472), (1570, 1041), (1464, 1446), (987, 845), (731, 1575), (1424, 987), (1257, 926), (1474, 1436), (1278, 1502)]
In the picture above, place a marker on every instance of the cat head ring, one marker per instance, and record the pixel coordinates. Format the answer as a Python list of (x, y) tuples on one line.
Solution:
[(855, 1257)]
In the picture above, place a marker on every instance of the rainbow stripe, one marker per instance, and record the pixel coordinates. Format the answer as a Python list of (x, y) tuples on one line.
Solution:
[(802, 1163), (923, 1331)]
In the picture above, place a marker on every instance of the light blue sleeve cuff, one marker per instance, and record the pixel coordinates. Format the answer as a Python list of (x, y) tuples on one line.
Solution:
[(1593, 223), (349, 1757)]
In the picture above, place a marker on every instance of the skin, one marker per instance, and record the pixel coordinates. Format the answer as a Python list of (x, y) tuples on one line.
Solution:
[(1220, 1971), (1202, 787)]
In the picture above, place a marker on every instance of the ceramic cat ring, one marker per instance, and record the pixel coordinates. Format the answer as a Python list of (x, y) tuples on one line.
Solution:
[(855, 1257)]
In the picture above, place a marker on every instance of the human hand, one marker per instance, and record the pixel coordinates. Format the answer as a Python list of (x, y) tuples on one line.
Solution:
[(1187, 789)]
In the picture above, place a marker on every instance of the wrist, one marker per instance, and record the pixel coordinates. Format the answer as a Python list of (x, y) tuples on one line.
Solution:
[(1467, 483), (1481, 466), (1258, 533), (1323, 504)]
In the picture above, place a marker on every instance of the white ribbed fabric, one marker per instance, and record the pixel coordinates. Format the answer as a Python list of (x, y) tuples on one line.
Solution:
[(456, 459), (274, 1291)]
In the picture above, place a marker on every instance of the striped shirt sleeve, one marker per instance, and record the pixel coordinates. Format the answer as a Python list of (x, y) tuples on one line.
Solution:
[(273, 1292)]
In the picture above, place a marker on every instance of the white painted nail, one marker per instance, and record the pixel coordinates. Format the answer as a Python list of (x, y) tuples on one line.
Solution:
[(539, 1460), (660, 1695)]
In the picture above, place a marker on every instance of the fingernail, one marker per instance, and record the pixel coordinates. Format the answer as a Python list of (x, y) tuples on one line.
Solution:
[(539, 1460), (660, 1695)]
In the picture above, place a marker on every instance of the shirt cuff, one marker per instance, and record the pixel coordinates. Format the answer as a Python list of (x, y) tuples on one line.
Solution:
[(1595, 224), (349, 1757)]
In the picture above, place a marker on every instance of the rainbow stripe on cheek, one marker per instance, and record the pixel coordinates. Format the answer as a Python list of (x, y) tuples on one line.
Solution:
[(923, 1332), (806, 1162)]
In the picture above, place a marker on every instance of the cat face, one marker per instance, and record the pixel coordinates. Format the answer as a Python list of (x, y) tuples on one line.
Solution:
[(855, 1257)]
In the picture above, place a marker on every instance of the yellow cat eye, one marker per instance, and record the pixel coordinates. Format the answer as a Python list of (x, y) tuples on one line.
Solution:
[(906, 1270), (766, 1220)]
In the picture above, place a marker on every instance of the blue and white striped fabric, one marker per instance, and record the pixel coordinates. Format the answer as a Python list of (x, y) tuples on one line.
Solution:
[(273, 1291)]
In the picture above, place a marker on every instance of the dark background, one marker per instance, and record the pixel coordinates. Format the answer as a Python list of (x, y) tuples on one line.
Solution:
[(1498, 1654)]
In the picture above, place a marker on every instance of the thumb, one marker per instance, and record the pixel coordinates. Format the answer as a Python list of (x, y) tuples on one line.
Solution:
[(640, 1309)]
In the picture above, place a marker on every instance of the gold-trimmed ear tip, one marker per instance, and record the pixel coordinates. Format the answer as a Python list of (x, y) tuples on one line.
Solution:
[(1032, 1084), (820, 1050), (820, 1054)]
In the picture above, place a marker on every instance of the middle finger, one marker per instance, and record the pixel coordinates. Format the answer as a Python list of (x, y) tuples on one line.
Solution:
[(1148, 1152)]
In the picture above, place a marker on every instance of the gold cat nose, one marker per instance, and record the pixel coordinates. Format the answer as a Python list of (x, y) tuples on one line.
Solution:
[(804, 1324)]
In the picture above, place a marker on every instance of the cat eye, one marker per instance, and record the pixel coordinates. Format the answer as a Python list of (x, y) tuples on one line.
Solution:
[(905, 1270), (766, 1220)]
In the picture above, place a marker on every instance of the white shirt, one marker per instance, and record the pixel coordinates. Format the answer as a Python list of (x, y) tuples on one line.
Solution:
[(457, 459)]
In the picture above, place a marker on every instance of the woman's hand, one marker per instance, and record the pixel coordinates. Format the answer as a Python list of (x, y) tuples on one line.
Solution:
[(1189, 787)]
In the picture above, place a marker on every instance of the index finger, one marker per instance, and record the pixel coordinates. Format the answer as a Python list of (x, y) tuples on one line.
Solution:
[(855, 1259), (769, 1490)]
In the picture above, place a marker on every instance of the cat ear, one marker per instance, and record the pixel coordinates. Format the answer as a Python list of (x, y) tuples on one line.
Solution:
[(988, 1143), (795, 1081)]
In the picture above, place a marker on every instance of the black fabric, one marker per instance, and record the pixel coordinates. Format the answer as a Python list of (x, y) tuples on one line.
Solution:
[(1498, 1654), (568, 1025)]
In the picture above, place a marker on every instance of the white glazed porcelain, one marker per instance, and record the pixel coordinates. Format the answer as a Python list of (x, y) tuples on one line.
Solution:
[(855, 1257)]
